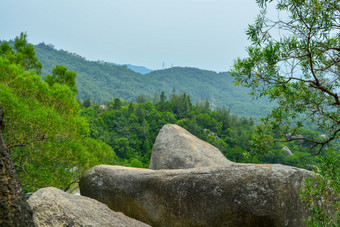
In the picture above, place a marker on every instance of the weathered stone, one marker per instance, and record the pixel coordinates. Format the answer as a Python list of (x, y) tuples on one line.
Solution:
[(53, 207), (233, 195), (176, 148), (14, 210), (289, 152)]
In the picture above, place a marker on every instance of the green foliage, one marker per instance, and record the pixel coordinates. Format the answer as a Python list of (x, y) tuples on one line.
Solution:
[(24, 54), (136, 163), (321, 194), (49, 142), (299, 68), (132, 129), (101, 81), (115, 104), (61, 75), (87, 103), (141, 99)]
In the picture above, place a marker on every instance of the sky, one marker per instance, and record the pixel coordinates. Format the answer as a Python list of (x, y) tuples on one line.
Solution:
[(206, 34)]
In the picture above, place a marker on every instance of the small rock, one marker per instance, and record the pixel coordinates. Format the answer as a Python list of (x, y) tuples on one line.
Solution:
[(289, 152), (53, 207)]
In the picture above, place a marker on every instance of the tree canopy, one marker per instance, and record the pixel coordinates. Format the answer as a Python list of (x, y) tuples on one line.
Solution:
[(131, 129), (295, 60), (61, 75), (24, 54), (49, 142)]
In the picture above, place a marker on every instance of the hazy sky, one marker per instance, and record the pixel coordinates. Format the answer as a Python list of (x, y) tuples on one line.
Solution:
[(206, 34)]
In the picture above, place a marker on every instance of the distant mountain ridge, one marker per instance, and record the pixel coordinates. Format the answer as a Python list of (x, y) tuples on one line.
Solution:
[(138, 69), (103, 81)]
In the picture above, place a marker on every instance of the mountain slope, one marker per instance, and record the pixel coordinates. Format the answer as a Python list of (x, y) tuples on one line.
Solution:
[(217, 87), (102, 81), (95, 79), (139, 69)]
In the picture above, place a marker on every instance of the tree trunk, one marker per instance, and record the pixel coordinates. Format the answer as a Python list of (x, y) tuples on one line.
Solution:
[(14, 210)]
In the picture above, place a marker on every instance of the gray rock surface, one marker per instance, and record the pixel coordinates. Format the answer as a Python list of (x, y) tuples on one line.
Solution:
[(176, 148), (234, 195), (53, 207)]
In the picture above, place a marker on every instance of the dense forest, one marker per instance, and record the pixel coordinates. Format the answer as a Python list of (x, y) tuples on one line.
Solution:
[(49, 142), (53, 137), (103, 81), (131, 128)]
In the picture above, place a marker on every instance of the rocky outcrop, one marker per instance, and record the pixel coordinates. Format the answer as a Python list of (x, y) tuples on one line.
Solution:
[(232, 195), (176, 148), (289, 152), (190, 183), (53, 207), (214, 134), (14, 210)]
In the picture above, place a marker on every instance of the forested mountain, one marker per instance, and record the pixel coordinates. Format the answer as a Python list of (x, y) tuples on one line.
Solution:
[(217, 87), (139, 69), (102, 81)]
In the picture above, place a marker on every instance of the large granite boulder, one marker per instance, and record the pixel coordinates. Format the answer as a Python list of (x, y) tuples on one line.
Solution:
[(234, 195), (14, 210), (176, 148), (53, 207)]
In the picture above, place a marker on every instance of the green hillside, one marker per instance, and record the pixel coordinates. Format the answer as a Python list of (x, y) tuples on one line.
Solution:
[(96, 80), (102, 81), (217, 87)]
